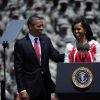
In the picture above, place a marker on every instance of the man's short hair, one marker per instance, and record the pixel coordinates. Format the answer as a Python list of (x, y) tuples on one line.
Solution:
[(33, 18)]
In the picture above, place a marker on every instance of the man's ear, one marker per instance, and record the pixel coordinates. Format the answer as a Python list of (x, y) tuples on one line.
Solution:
[(30, 26)]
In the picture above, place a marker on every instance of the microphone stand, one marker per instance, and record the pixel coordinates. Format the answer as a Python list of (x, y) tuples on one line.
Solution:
[(3, 96), (83, 58), (82, 55)]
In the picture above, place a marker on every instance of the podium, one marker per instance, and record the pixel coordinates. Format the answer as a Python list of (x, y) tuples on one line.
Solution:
[(65, 87)]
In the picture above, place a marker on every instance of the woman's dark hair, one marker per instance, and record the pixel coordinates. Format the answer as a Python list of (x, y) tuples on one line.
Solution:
[(85, 24)]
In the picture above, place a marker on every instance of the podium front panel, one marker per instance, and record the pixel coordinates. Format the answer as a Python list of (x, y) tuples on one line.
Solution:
[(64, 78)]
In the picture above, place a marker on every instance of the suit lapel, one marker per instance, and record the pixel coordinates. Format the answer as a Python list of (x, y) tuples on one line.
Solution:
[(31, 49), (42, 43)]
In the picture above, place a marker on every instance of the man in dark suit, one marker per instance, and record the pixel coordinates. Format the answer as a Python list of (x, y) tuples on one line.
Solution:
[(31, 62)]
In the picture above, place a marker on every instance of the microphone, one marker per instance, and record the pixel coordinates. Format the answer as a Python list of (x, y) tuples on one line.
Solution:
[(83, 50), (86, 47), (79, 47)]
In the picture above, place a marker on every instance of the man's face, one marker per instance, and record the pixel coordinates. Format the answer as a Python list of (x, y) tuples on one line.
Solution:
[(37, 28)]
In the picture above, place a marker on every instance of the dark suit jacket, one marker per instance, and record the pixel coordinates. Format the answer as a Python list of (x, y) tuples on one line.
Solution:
[(29, 74)]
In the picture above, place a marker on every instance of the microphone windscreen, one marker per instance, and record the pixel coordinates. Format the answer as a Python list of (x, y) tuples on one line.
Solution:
[(86, 47), (79, 46)]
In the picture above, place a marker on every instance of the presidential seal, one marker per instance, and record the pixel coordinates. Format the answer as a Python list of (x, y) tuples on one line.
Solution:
[(82, 77)]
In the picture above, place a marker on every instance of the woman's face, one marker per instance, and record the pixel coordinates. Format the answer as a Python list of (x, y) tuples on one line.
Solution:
[(79, 32)]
